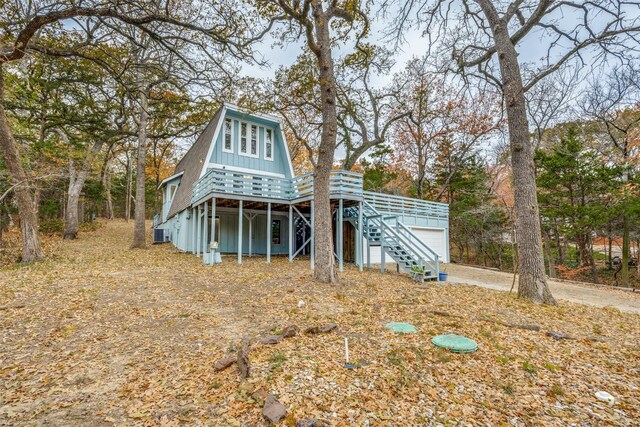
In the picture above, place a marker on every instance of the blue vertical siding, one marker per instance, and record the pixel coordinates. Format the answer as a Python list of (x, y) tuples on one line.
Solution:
[(229, 234), (280, 162)]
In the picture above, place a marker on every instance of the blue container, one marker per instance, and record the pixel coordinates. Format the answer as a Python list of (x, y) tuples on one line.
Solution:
[(442, 277)]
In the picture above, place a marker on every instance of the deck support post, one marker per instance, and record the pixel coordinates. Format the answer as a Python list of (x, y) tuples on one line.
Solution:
[(313, 239), (193, 229), (268, 232), (213, 220), (240, 217), (205, 220), (250, 218), (290, 233), (359, 236), (198, 229), (339, 233), (383, 264)]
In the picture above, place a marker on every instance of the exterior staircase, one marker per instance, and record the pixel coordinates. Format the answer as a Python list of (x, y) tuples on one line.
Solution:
[(395, 240)]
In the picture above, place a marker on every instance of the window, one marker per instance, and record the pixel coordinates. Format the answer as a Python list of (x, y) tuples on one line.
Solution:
[(228, 136), (172, 191), (254, 140), (243, 138), (268, 144), (275, 232)]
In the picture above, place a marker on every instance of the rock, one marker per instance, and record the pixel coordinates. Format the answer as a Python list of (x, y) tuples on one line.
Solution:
[(559, 335), (307, 422), (606, 397), (301, 304), (224, 363), (290, 331), (312, 330), (273, 410), (328, 328), (271, 339), (244, 367)]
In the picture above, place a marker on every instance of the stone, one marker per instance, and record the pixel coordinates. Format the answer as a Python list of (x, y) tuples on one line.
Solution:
[(273, 410), (559, 335), (312, 330), (244, 367), (271, 339), (307, 422), (290, 331), (224, 363), (328, 328)]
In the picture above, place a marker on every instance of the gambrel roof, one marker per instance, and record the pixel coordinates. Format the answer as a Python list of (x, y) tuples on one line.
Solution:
[(191, 166)]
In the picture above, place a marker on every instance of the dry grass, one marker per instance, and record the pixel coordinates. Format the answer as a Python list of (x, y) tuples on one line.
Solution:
[(101, 335)]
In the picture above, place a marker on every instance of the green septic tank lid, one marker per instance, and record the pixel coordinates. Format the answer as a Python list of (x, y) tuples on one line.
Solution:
[(455, 343), (403, 328)]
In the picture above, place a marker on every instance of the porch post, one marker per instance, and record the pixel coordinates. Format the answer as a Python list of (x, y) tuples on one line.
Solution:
[(193, 229), (359, 245), (198, 230), (240, 233), (382, 254), (250, 234), (205, 243), (313, 238), (213, 219), (339, 233), (290, 233), (269, 232)]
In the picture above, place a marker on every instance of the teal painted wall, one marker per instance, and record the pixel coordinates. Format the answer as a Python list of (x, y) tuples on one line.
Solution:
[(279, 164), (229, 234)]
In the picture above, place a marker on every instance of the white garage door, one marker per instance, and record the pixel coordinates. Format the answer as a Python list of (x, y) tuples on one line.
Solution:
[(435, 239), (432, 237)]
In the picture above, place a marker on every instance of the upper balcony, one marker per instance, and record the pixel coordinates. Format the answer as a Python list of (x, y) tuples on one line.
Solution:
[(238, 185), (346, 185)]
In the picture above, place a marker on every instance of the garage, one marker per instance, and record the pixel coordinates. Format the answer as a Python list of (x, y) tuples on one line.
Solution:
[(435, 238)]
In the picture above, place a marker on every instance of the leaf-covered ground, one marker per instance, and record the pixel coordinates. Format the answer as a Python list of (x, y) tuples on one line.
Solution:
[(101, 335)]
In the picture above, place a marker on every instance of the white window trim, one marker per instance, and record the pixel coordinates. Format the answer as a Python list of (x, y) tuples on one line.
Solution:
[(273, 144), (248, 152), (224, 135)]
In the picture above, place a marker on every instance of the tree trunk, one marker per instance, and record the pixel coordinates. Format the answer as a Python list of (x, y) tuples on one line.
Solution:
[(549, 252), (127, 191), (139, 240), (108, 200), (71, 221), (31, 248), (324, 263), (532, 282)]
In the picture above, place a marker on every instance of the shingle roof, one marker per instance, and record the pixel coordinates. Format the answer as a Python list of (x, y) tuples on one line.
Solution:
[(192, 164)]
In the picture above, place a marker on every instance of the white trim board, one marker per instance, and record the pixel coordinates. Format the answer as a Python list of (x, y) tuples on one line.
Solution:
[(171, 178), (244, 170)]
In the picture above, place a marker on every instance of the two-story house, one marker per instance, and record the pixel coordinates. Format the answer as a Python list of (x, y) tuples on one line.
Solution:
[(235, 192)]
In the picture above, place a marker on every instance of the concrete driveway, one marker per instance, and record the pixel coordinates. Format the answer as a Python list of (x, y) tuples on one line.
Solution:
[(625, 301)]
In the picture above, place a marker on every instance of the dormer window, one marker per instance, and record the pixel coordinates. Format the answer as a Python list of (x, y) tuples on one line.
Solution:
[(248, 145), (243, 138), (227, 146), (268, 144), (254, 140)]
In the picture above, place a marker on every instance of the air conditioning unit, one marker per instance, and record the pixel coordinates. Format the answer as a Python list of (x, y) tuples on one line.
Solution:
[(160, 235)]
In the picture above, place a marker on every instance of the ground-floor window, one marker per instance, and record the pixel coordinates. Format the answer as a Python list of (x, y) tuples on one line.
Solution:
[(275, 232)]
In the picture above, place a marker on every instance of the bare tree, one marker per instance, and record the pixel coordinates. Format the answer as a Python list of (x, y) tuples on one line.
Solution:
[(314, 20), (482, 38)]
